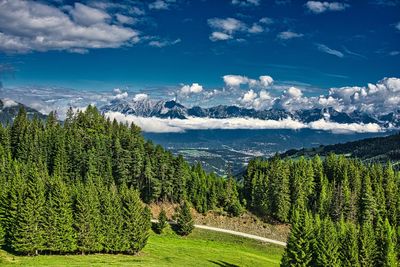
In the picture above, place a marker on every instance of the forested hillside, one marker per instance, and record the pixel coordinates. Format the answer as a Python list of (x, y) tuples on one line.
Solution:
[(343, 212), (79, 186), (378, 149)]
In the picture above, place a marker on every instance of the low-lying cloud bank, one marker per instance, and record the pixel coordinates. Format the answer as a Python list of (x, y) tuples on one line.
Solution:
[(158, 125)]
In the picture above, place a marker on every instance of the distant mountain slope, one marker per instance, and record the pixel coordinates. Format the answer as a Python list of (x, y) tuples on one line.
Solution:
[(9, 110), (379, 149), (175, 110)]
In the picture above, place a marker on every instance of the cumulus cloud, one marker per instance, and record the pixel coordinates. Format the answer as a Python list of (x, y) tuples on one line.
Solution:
[(234, 81), (225, 29), (158, 125), (318, 7), (252, 99), (246, 2), (219, 36), (326, 49), (187, 90), (286, 35), (140, 97), (31, 26), (119, 94)]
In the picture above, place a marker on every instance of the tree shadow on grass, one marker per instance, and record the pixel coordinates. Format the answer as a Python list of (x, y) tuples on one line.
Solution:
[(224, 264)]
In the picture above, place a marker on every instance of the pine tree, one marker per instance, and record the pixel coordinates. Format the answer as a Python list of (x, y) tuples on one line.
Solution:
[(162, 222), (367, 245), (386, 245), (28, 237), (88, 219), (185, 223), (367, 201), (58, 223), (136, 221), (348, 244), (299, 245), (112, 220), (327, 245)]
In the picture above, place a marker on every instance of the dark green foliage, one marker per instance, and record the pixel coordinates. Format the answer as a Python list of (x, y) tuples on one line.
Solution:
[(58, 221), (344, 197), (299, 245), (76, 186), (185, 223), (386, 245), (367, 245), (28, 234), (162, 222)]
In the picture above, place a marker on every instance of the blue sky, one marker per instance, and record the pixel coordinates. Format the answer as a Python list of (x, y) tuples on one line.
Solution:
[(153, 46)]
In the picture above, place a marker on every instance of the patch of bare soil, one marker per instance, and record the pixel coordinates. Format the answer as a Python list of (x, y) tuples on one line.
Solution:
[(246, 223)]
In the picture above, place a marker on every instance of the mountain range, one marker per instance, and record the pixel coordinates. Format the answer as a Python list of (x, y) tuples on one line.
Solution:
[(174, 110), (9, 110)]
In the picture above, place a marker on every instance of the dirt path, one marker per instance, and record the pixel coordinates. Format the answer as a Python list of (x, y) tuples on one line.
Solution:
[(221, 230)]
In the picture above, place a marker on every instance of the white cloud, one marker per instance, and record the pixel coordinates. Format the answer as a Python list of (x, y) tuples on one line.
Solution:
[(343, 128), (398, 26), (87, 16), (158, 125), (219, 36), (233, 81), (225, 29), (246, 2), (140, 97), (125, 19), (228, 25), (163, 43), (286, 35), (30, 26), (318, 7), (326, 49), (266, 80), (256, 28), (195, 88), (8, 103)]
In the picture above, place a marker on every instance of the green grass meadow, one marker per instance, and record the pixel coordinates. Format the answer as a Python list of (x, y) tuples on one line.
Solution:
[(201, 248)]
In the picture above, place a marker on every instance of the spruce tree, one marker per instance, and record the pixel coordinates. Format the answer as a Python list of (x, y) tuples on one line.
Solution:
[(58, 223), (348, 244), (327, 244), (162, 222), (112, 220), (88, 218), (28, 237), (185, 223), (136, 221), (299, 245), (386, 245), (367, 245)]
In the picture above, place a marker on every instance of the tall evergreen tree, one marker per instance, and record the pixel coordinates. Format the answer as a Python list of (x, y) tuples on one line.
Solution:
[(386, 245), (58, 223), (136, 221), (299, 245), (28, 237), (185, 223), (367, 245)]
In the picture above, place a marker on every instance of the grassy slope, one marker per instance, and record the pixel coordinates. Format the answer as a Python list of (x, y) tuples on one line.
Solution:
[(201, 248)]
